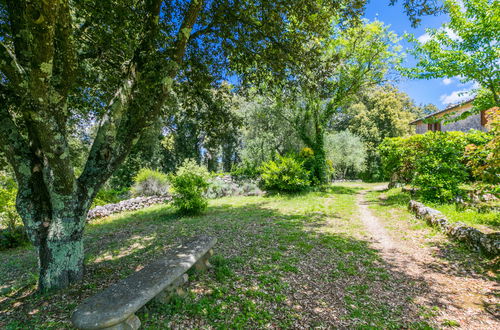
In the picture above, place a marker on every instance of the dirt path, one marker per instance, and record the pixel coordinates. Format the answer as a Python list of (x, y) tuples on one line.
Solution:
[(378, 232), (455, 295)]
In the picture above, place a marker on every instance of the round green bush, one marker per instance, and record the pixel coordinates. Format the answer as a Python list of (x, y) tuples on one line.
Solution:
[(285, 174), (148, 182), (435, 162)]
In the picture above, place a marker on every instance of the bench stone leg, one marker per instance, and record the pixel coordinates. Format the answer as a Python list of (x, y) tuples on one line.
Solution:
[(202, 264), (174, 288), (132, 323)]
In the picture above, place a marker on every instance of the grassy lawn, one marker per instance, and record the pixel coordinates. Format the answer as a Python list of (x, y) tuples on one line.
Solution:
[(280, 261), (489, 221)]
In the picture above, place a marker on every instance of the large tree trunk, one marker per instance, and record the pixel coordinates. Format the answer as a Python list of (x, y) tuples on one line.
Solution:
[(60, 261), (54, 223)]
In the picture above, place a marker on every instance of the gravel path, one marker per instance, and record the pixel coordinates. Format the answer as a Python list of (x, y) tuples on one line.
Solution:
[(462, 297)]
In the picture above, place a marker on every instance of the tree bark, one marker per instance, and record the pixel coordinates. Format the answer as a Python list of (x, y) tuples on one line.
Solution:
[(60, 262)]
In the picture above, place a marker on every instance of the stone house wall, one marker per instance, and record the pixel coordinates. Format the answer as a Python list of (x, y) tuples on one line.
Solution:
[(464, 125)]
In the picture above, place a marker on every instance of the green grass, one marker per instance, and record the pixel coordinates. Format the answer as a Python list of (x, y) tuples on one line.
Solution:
[(490, 220), (280, 261), (470, 217)]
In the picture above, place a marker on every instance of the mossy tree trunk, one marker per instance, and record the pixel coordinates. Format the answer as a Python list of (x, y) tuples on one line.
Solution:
[(39, 65), (310, 128), (320, 166)]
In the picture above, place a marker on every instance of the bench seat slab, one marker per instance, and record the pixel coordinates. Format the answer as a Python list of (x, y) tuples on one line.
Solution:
[(122, 299)]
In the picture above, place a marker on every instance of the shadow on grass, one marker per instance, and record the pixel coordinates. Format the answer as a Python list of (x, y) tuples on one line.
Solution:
[(268, 262)]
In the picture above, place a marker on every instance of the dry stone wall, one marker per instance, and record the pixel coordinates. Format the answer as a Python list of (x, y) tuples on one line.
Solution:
[(477, 240), (126, 205)]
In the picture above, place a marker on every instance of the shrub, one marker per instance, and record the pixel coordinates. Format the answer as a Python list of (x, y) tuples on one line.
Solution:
[(148, 182), (8, 190), (398, 157), (250, 188), (439, 170), (435, 161), (11, 238), (220, 188), (245, 171), (225, 186), (286, 174), (12, 232), (189, 184), (484, 158)]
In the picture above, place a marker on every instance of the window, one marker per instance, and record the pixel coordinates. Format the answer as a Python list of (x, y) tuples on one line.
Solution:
[(434, 127)]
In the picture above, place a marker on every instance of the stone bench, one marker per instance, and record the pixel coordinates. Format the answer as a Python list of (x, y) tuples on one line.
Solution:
[(115, 307)]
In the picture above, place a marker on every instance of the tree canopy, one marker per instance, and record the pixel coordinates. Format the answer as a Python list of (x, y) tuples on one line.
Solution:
[(466, 47)]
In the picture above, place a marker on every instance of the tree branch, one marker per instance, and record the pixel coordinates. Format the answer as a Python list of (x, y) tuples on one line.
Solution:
[(43, 107), (10, 66), (137, 104), (13, 144)]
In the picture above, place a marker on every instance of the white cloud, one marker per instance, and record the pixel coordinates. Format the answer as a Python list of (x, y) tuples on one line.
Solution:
[(455, 97), (451, 34), (447, 81), (424, 38)]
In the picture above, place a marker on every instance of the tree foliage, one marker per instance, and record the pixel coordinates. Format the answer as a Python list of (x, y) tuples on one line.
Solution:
[(466, 47), (346, 153), (379, 113), (85, 83), (115, 63), (355, 59)]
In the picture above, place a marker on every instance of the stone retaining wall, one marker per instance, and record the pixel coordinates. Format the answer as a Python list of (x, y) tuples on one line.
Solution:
[(126, 205), (477, 240)]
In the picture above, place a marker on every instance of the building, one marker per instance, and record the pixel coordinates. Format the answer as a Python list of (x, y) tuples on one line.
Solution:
[(475, 121)]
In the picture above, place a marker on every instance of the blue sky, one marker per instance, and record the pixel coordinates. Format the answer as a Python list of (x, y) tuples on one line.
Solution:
[(439, 92)]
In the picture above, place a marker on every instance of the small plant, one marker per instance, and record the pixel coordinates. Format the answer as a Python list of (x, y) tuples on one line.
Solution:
[(250, 188), (286, 174), (149, 182), (220, 188), (189, 184)]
